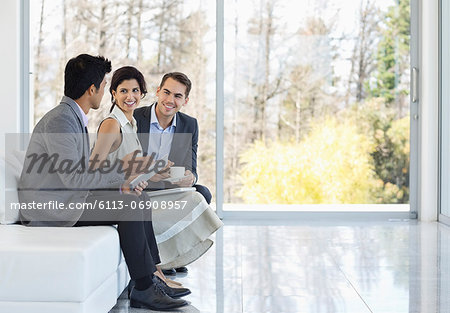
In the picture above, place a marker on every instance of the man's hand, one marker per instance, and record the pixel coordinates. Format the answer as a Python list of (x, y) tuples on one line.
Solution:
[(187, 181), (162, 174)]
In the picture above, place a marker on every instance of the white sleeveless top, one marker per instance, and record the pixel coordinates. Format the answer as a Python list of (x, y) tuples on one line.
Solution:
[(130, 141)]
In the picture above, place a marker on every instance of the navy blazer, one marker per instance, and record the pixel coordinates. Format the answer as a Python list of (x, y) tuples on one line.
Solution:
[(182, 153)]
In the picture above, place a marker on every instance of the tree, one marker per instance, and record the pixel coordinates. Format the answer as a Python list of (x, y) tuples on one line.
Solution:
[(237, 134), (307, 97), (191, 58), (303, 101), (37, 85), (363, 59), (390, 156), (139, 38), (262, 86), (130, 17), (167, 17), (392, 72)]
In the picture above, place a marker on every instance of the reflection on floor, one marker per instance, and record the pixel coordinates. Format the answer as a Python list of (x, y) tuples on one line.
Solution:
[(392, 266)]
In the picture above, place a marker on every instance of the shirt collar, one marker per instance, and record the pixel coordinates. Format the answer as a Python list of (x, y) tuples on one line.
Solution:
[(154, 119), (83, 115), (121, 117)]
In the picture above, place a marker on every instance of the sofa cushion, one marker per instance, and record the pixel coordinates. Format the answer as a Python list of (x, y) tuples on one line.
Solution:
[(2, 190), (10, 168), (56, 263)]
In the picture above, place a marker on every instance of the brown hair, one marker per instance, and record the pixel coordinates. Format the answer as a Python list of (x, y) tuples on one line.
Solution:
[(179, 77)]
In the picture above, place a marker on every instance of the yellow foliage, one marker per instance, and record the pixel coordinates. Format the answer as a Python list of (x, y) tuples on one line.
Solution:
[(399, 132), (331, 165)]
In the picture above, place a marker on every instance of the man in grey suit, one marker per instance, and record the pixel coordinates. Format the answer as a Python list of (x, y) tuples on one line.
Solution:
[(57, 169)]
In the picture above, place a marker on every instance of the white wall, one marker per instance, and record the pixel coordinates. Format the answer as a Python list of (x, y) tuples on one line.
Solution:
[(428, 110), (9, 65), (9, 78)]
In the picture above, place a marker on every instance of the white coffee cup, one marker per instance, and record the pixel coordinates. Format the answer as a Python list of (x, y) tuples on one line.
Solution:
[(176, 171)]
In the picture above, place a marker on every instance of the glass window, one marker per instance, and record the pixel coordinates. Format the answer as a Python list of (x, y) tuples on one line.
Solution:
[(316, 103), (155, 36), (316, 100)]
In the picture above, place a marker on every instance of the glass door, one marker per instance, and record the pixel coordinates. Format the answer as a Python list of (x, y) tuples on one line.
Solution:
[(317, 106)]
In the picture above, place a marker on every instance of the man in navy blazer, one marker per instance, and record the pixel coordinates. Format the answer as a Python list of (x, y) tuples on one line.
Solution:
[(163, 129)]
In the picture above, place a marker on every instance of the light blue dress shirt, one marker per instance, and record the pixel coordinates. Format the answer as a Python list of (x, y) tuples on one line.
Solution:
[(83, 115), (160, 140)]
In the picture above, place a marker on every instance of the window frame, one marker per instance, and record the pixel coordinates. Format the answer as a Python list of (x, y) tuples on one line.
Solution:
[(444, 113), (27, 115)]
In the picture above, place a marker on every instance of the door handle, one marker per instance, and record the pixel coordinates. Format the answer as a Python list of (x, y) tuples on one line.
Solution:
[(414, 84)]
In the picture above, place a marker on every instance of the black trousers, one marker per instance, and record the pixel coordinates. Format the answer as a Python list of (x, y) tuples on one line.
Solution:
[(137, 238), (205, 192)]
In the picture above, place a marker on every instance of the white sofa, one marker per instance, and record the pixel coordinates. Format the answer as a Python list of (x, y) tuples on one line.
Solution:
[(55, 269)]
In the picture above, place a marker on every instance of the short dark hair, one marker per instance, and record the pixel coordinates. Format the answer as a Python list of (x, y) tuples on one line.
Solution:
[(127, 73), (83, 71), (179, 77)]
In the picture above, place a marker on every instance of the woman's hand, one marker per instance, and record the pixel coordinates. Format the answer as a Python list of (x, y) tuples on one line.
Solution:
[(140, 187), (125, 188), (134, 165)]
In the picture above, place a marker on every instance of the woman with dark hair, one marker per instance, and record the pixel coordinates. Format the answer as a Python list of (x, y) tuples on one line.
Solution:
[(116, 137), (117, 132)]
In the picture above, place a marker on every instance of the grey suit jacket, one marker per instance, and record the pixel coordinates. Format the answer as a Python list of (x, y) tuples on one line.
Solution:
[(56, 169)]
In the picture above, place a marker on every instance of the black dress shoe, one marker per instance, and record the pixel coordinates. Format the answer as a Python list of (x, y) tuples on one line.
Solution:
[(169, 272), (171, 292), (182, 269), (154, 298)]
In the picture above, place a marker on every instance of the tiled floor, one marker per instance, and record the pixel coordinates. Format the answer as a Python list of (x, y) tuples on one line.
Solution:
[(398, 266)]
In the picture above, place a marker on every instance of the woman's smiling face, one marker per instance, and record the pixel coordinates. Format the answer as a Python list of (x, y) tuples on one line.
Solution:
[(127, 95)]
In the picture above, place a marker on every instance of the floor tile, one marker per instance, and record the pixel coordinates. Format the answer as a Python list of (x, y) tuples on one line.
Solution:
[(401, 266)]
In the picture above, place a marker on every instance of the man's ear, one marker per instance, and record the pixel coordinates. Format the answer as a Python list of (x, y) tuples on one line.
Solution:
[(186, 101), (92, 90)]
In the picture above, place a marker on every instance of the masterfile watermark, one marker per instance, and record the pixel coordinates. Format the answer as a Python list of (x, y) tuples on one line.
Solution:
[(57, 177), (53, 164), (101, 205)]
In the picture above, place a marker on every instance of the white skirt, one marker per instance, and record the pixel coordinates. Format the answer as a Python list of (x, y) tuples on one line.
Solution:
[(182, 223)]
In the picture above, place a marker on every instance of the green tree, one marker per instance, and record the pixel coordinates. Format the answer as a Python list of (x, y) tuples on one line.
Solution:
[(390, 157), (391, 74)]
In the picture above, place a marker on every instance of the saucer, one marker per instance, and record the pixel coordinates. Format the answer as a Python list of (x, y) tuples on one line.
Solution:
[(173, 179)]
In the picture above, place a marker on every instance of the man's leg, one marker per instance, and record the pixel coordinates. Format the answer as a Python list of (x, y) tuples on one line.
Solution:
[(205, 192), (151, 241), (150, 234), (136, 250)]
